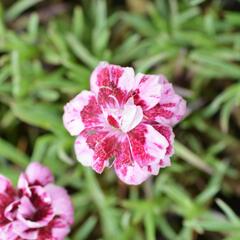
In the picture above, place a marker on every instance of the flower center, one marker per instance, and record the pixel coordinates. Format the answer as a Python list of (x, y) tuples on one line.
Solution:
[(127, 118), (132, 115)]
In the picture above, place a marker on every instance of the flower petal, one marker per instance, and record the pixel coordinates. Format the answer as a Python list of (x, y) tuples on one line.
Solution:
[(132, 174), (58, 229), (11, 210), (127, 170), (86, 142), (105, 151), (82, 111), (167, 132), (148, 146), (148, 90), (7, 195), (23, 231), (62, 205), (7, 232), (83, 152), (23, 185), (112, 84), (37, 174), (107, 75), (171, 107), (41, 201), (5, 185), (26, 208)]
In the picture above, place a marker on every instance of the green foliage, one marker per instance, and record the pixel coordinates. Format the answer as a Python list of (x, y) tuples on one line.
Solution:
[(47, 52)]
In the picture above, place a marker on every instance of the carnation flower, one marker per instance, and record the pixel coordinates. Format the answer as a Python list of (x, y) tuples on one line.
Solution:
[(125, 121), (37, 210)]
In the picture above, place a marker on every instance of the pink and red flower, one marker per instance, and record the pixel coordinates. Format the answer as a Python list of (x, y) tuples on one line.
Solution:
[(126, 121), (38, 210)]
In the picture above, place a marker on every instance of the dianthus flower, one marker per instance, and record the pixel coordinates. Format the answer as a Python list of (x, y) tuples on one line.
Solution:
[(126, 121), (37, 210)]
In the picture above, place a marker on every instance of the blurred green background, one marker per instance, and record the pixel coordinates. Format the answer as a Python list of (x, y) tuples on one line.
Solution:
[(47, 52)]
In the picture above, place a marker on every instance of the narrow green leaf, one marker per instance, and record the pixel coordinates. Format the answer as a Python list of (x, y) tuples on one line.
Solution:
[(226, 112), (81, 52), (16, 74), (13, 154), (224, 67), (39, 115), (33, 26), (5, 73), (230, 92), (139, 23), (85, 230), (18, 8), (149, 224), (213, 186), (166, 228), (40, 147), (191, 157), (232, 216), (78, 22)]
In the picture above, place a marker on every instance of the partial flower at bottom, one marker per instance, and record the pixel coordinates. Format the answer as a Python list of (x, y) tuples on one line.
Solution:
[(37, 210)]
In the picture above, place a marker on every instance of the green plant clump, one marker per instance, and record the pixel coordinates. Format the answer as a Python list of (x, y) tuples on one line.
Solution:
[(47, 52)]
